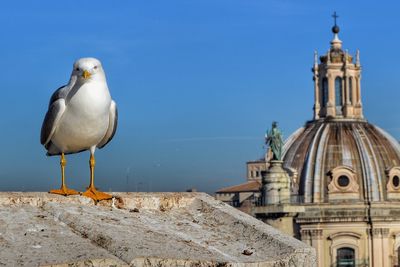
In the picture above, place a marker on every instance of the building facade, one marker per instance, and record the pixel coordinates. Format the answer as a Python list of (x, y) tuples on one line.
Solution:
[(341, 174)]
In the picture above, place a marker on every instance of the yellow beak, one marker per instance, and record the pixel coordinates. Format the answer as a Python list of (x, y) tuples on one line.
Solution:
[(86, 74)]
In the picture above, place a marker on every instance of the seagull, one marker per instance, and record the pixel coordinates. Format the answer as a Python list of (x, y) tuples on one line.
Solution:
[(81, 116)]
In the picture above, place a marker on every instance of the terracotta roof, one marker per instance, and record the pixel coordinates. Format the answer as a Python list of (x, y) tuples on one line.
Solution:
[(246, 187)]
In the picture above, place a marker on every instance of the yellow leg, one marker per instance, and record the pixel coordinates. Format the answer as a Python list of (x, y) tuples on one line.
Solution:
[(91, 191), (63, 190)]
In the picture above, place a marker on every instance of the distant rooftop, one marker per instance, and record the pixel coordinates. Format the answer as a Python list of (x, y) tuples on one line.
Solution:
[(250, 186)]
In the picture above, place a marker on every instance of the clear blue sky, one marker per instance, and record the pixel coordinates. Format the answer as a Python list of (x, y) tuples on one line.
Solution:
[(197, 83)]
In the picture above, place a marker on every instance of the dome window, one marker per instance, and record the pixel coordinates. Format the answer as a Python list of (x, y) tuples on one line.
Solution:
[(393, 182), (338, 92), (343, 184), (325, 92), (343, 181), (396, 181)]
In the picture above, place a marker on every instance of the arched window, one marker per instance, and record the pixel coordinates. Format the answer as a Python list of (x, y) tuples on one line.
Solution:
[(338, 91), (345, 257), (324, 91), (351, 90)]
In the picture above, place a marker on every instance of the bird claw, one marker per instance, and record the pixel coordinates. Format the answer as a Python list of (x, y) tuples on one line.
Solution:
[(96, 195), (64, 191)]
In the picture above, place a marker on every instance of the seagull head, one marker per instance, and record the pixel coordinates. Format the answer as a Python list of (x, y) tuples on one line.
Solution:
[(87, 69)]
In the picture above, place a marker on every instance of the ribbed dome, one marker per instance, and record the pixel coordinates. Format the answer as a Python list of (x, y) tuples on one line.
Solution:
[(353, 158)]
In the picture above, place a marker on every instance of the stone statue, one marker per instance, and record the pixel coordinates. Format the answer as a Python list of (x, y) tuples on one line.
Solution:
[(273, 139)]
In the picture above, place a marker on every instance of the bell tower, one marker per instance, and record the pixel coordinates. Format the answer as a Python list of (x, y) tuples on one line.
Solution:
[(337, 84)]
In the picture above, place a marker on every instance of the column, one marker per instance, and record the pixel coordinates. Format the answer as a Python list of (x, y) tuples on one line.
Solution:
[(318, 244), (346, 97), (330, 107), (376, 247), (359, 89), (306, 236), (385, 247), (347, 90), (316, 95), (358, 104), (354, 91), (369, 253), (380, 248)]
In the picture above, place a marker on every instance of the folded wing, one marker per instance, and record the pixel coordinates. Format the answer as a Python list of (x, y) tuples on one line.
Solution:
[(112, 125), (50, 123), (55, 112)]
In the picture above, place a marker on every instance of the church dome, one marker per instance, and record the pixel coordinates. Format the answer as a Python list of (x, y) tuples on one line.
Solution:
[(335, 183), (339, 156), (338, 159)]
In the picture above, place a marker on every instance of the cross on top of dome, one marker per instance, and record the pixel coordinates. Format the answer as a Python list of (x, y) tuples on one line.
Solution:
[(337, 82), (335, 28)]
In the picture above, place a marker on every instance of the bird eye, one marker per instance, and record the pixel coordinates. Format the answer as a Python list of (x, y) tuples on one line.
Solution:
[(77, 69), (95, 67)]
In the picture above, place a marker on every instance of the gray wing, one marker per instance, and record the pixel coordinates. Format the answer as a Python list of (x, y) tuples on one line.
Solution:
[(55, 111), (63, 91), (51, 120), (112, 125)]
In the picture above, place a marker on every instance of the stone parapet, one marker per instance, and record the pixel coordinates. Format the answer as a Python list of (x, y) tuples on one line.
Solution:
[(139, 229)]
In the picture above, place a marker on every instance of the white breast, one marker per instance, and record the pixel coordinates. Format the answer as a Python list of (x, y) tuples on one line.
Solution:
[(86, 118)]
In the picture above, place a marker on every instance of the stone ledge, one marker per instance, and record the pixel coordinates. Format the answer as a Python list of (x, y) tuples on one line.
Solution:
[(279, 208), (139, 229)]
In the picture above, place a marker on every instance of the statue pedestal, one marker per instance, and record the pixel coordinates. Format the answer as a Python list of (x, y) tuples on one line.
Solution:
[(276, 184)]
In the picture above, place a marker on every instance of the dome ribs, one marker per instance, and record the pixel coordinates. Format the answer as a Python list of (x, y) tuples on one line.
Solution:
[(317, 161), (334, 149), (368, 163), (327, 144), (394, 144), (354, 158), (382, 155), (295, 155), (291, 139), (387, 150)]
